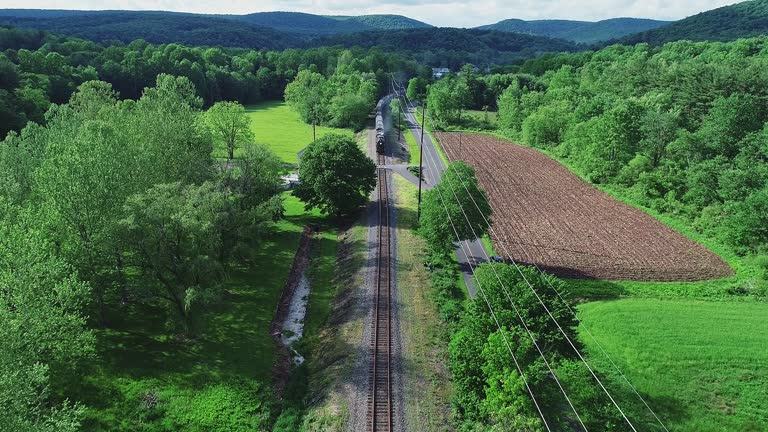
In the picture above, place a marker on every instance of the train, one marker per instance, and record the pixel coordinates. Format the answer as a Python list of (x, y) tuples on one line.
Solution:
[(380, 137)]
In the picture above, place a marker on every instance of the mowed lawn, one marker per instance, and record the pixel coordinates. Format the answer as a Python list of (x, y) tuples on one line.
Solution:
[(703, 365), (279, 127), (220, 382)]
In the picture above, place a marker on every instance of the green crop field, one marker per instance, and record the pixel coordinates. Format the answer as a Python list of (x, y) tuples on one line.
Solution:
[(276, 125), (229, 368), (702, 365)]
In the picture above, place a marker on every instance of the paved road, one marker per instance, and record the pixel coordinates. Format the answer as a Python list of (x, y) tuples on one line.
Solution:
[(433, 171)]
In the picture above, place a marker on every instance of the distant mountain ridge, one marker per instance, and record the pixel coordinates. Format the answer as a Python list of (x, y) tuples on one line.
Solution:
[(578, 31), (157, 27), (727, 23), (299, 23)]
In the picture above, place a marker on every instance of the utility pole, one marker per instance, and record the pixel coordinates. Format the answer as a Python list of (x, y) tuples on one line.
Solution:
[(421, 159)]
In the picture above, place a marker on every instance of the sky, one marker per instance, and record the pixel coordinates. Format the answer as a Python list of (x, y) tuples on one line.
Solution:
[(446, 13)]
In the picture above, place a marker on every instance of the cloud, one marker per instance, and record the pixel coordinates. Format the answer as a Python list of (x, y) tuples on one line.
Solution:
[(437, 12)]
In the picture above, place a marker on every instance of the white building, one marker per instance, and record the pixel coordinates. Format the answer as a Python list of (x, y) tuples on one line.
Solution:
[(438, 73)]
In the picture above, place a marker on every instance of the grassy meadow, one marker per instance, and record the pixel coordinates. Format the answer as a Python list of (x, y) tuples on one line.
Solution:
[(703, 366), (276, 125)]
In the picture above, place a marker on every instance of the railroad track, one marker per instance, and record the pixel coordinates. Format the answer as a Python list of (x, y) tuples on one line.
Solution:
[(380, 396)]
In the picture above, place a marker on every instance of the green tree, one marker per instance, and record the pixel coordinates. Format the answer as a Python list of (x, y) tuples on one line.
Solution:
[(87, 173), (336, 176), (746, 227), (658, 129), (306, 95), (230, 126), (417, 89), (173, 232), (43, 335), (547, 126), (167, 126), (254, 183), (457, 201), (447, 99)]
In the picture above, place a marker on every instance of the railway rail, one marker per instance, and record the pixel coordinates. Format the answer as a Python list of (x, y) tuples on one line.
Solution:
[(380, 396)]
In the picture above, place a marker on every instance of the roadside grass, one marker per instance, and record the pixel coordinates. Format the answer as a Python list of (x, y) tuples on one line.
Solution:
[(219, 382), (279, 127), (413, 147), (427, 380), (702, 365), (332, 345)]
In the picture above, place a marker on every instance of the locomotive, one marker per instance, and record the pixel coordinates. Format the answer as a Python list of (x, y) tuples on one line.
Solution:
[(380, 139)]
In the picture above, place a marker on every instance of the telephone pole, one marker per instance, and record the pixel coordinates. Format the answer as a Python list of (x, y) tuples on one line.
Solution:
[(421, 158)]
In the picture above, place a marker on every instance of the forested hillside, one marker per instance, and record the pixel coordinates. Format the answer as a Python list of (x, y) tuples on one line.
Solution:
[(301, 23), (319, 25), (386, 22), (161, 27), (304, 25), (452, 48), (742, 20), (577, 31)]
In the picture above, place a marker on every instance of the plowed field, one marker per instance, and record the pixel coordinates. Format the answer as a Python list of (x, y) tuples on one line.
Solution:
[(546, 215)]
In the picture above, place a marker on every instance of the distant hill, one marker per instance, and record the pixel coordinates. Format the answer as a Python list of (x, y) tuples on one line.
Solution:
[(386, 22), (747, 19), (156, 27), (453, 47), (303, 24), (578, 31)]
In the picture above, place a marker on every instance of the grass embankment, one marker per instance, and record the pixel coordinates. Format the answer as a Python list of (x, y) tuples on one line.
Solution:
[(702, 365), (276, 125), (426, 380), (148, 380), (413, 147)]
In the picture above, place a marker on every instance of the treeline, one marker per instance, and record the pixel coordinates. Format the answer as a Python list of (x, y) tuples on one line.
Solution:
[(680, 129), (344, 99), (115, 202), (31, 79), (452, 48)]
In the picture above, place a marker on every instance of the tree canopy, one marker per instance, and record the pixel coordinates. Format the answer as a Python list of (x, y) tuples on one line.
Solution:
[(336, 176), (457, 202)]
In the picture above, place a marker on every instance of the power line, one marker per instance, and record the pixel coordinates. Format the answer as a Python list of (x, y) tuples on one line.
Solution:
[(562, 299), (498, 325), (559, 295), (517, 267), (517, 311)]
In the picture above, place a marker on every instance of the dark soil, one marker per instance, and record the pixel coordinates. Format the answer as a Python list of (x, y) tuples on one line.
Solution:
[(545, 214)]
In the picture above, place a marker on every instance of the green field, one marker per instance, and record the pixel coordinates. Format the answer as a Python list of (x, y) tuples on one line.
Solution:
[(228, 369), (702, 365), (276, 125), (413, 147)]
